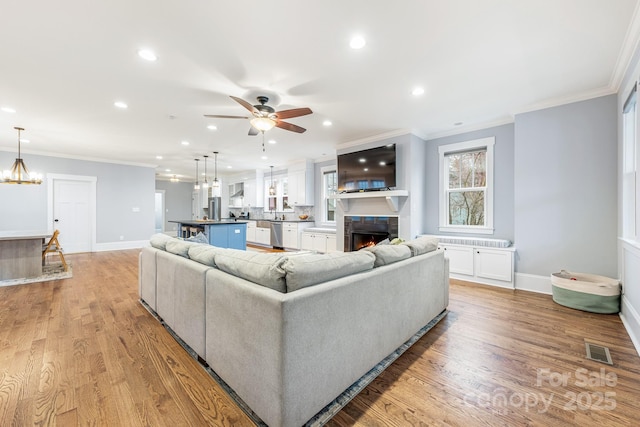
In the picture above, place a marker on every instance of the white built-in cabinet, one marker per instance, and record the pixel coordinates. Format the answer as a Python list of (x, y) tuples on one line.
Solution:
[(251, 231), (263, 236), (492, 266), (291, 233), (319, 242), (300, 184)]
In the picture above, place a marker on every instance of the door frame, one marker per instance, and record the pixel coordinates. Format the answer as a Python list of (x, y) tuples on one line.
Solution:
[(92, 180), (164, 195)]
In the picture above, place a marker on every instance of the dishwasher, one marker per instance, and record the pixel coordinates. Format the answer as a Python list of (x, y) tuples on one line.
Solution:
[(276, 235)]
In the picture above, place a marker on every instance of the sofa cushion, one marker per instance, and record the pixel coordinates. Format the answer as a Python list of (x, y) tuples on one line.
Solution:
[(421, 245), (388, 254), (159, 241), (307, 270), (261, 268), (205, 254), (179, 247)]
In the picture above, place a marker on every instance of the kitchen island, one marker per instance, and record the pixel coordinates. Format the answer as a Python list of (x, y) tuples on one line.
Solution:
[(21, 254), (224, 233)]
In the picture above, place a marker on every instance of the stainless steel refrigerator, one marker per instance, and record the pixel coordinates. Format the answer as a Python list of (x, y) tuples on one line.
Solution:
[(215, 208)]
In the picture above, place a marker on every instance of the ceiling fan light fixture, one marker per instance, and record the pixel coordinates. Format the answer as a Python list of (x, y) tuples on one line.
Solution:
[(263, 124)]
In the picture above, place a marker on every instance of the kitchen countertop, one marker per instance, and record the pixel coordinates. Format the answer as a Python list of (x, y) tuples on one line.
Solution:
[(208, 222), (278, 220)]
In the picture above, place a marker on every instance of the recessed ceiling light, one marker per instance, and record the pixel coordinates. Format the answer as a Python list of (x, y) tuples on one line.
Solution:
[(327, 123), (26, 141), (185, 143), (417, 91), (365, 169), (272, 141), (357, 42), (362, 160), (167, 170), (8, 110), (229, 167), (120, 104), (212, 127), (159, 157), (382, 163), (264, 157), (147, 54)]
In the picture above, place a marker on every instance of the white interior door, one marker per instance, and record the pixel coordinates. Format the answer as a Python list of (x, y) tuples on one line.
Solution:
[(72, 214)]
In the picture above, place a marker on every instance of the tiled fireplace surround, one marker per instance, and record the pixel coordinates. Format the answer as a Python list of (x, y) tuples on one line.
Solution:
[(367, 230)]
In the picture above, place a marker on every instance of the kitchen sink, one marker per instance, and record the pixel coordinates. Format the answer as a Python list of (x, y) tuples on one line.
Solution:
[(263, 224)]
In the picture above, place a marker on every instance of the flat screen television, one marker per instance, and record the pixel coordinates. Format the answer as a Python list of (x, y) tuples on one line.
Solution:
[(367, 170)]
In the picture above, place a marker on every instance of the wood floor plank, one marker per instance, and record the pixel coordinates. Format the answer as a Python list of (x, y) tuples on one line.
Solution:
[(84, 351)]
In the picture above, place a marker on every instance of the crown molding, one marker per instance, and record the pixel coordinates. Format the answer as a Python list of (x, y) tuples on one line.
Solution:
[(628, 49), (88, 159), (373, 138)]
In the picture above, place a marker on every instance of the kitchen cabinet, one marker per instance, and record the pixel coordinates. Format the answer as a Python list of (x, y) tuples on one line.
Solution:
[(320, 242), (251, 231), (291, 233), (491, 266), (263, 236), (301, 184)]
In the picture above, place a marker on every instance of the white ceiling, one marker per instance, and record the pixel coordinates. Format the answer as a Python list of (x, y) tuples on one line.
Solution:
[(65, 63)]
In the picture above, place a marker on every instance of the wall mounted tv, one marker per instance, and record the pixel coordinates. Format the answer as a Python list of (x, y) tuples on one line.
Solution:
[(367, 170)]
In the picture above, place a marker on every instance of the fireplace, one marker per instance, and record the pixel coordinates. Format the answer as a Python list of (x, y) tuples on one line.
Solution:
[(362, 231)]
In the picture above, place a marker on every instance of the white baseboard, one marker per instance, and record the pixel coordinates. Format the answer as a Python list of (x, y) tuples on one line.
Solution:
[(533, 283), (118, 246), (631, 321)]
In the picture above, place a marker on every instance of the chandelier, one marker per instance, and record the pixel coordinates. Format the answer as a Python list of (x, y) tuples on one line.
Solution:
[(19, 174)]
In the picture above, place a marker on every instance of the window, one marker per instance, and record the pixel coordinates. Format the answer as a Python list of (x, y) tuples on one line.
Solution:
[(329, 187), (466, 186)]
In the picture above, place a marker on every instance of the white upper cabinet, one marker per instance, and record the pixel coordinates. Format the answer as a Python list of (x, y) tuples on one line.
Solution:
[(301, 184)]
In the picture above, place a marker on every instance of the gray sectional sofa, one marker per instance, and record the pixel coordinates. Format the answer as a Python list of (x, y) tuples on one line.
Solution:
[(290, 332)]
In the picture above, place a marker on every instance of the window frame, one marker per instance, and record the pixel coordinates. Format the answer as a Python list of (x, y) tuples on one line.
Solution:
[(462, 147), (325, 194)]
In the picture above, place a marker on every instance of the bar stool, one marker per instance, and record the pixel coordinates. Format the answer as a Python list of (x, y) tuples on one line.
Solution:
[(53, 246), (193, 231)]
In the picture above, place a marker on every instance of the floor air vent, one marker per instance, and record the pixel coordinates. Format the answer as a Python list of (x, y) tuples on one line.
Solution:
[(598, 353)]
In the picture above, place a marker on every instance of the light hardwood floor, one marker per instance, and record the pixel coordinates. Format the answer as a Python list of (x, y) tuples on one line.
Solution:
[(83, 351)]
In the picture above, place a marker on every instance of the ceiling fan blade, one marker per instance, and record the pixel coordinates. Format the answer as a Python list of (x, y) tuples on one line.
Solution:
[(295, 112), (290, 126), (220, 116), (253, 131), (245, 104)]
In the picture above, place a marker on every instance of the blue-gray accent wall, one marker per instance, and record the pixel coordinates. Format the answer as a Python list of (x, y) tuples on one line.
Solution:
[(119, 188), (565, 187), (503, 178)]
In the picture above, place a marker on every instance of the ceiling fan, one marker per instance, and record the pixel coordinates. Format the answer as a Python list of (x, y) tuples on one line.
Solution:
[(265, 117)]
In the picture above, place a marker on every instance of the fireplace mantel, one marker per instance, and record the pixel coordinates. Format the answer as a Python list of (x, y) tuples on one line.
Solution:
[(392, 197)]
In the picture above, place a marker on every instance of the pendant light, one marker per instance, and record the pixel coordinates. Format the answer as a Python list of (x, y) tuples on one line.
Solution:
[(272, 189), (196, 186), (216, 183), (205, 184), (19, 174)]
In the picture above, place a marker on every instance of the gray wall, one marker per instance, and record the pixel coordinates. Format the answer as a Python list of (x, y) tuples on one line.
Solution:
[(503, 177), (177, 202), (565, 188), (119, 188)]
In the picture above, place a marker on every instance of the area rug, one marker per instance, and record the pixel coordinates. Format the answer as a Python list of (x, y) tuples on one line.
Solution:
[(53, 271)]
